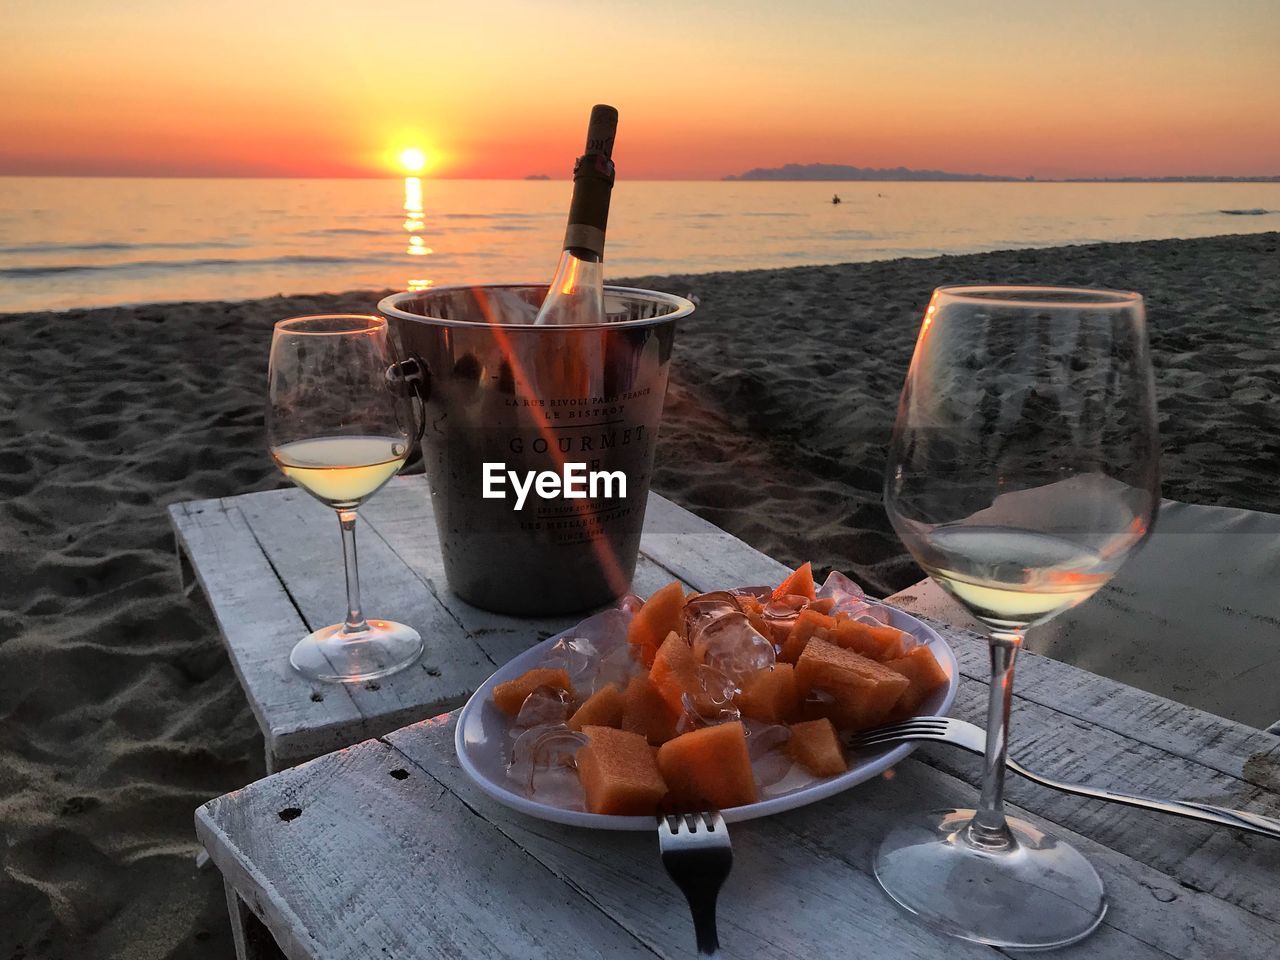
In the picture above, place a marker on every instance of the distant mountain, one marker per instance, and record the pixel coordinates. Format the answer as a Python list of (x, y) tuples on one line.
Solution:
[(841, 171)]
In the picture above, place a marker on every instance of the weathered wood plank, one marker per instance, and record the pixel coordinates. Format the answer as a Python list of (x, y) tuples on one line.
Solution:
[(789, 896), (260, 625), (301, 539), (359, 854), (270, 566), (397, 841), (1194, 616), (1226, 746), (700, 553), (1232, 866), (849, 827)]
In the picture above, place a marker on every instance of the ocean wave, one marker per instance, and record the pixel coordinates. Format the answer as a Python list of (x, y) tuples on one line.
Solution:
[(108, 246), (138, 265), (505, 215), (329, 231)]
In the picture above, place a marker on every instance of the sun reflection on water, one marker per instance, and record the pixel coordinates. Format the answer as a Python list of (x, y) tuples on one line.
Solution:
[(414, 224)]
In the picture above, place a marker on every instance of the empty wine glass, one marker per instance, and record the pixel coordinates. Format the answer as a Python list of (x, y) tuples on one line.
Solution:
[(339, 426), (1022, 473)]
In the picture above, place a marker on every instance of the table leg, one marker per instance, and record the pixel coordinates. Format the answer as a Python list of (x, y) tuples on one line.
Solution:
[(186, 574), (253, 940)]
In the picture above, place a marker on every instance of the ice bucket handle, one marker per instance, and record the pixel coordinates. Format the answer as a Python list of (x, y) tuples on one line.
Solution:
[(410, 378)]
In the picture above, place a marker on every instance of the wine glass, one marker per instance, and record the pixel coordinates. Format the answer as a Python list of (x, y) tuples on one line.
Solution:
[(1023, 471), (340, 427)]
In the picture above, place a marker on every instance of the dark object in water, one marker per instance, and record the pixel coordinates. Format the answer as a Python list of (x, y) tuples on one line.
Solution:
[(835, 198), (1251, 212)]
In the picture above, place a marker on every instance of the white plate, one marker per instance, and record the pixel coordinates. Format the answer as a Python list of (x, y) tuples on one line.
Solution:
[(481, 738)]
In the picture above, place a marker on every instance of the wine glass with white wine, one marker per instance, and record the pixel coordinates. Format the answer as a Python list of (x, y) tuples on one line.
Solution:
[(1022, 473), (339, 427)]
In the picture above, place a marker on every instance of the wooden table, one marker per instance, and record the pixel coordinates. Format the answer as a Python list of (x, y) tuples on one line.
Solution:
[(270, 566), (385, 849), (1194, 616)]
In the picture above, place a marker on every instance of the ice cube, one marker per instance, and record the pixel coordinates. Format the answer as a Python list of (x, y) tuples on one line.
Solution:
[(719, 686), (733, 646), (617, 666), (848, 596), (694, 719), (580, 652), (544, 705), (703, 609), (630, 604), (716, 707), (796, 778), (575, 656), (780, 616), (763, 736), (542, 762), (875, 616), (767, 747)]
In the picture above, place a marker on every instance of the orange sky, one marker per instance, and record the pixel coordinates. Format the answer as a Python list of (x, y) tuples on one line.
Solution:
[(500, 88)]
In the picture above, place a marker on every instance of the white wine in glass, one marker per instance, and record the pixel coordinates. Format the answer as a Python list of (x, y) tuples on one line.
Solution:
[(341, 472), (340, 427), (1023, 471)]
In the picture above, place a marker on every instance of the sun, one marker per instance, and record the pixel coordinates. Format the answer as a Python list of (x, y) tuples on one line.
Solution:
[(413, 160)]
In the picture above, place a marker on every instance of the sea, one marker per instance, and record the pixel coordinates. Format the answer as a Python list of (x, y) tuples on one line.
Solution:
[(83, 242)]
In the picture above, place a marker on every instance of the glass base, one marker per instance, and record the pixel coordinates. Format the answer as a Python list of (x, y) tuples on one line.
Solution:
[(331, 656), (1036, 894)]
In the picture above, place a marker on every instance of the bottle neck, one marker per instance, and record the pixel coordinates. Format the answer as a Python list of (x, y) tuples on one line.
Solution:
[(585, 254), (589, 210)]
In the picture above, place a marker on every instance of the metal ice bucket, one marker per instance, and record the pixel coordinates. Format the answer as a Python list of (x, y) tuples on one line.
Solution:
[(531, 400)]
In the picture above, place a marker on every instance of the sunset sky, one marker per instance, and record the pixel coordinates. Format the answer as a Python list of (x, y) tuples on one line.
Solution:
[(500, 88)]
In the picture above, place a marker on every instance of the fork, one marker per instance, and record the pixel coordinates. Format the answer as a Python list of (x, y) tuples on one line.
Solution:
[(969, 737), (698, 856)]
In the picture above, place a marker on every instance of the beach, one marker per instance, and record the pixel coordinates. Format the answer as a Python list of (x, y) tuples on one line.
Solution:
[(121, 711)]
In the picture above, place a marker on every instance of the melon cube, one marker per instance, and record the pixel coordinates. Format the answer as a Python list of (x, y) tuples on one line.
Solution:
[(619, 773), (924, 675), (644, 711), (662, 613), (509, 697), (805, 626), (878, 643), (800, 583), (864, 691), (708, 769), (675, 673), (815, 746), (602, 709), (770, 695)]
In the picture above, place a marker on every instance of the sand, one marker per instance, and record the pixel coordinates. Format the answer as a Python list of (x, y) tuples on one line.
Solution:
[(120, 713)]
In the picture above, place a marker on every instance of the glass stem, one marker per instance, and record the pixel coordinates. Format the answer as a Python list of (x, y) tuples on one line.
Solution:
[(355, 618), (989, 829)]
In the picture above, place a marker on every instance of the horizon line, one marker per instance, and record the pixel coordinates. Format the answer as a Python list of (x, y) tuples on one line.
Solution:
[(734, 178)]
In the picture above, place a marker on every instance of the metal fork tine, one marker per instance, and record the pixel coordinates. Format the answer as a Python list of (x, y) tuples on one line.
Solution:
[(698, 855), (910, 729)]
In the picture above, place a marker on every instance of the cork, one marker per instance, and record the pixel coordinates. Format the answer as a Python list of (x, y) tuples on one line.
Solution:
[(601, 129)]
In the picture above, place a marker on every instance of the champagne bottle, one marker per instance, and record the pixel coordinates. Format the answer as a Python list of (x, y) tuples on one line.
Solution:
[(576, 294)]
